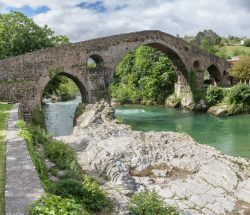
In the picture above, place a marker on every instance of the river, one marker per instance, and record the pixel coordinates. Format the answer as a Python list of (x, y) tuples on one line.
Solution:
[(230, 135)]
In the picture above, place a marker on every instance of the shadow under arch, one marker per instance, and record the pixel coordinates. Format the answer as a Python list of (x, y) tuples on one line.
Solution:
[(78, 83), (214, 72)]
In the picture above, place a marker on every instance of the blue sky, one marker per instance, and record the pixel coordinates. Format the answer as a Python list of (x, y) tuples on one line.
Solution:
[(29, 11), (81, 20)]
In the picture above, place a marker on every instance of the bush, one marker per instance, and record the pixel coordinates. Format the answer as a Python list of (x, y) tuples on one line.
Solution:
[(67, 188), (37, 118), (214, 95), (59, 153), (239, 94), (148, 203), (247, 43), (87, 193), (94, 198), (50, 204)]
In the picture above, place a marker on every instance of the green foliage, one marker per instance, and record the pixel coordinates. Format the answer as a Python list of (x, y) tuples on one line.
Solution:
[(94, 198), (28, 137), (67, 187), (214, 95), (238, 109), (208, 40), (37, 118), (239, 94), (20, 34), (148, 203), (144, 75), (86, 193), (61, 86), (197, 93), (4, 110), (59, 153), (241, 69), (53, 205), (247, 43), (83, 189), (78, 112)]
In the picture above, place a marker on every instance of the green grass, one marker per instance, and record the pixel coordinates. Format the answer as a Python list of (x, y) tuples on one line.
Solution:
[(4, 109), (231, 51)]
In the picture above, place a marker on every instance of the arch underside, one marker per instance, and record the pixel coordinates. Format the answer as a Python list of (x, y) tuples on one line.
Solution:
[(215, 73), (78, 83)]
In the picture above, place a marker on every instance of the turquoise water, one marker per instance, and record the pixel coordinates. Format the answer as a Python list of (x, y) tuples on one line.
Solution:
[(230, 135)]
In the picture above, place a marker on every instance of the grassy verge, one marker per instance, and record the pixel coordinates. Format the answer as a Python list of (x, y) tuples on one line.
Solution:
[(231, 51), (68, 189), (4, 109)]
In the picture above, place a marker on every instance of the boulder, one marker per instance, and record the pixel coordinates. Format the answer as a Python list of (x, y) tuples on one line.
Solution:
[(195, 178), (218, 110)]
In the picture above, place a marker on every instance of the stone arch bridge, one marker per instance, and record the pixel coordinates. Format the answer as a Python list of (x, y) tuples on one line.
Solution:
[(23, 78)]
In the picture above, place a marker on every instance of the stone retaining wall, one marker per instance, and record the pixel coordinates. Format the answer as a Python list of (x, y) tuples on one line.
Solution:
[(23, 185)]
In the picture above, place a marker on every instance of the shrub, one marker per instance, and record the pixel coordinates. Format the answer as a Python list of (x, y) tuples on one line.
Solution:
[(241, 69), (148, 203), (51, 204), (87, 193), (67, 188), (37, 118), (239, 94), (214, 95), (247, 43), (59, 153), (94, 198)]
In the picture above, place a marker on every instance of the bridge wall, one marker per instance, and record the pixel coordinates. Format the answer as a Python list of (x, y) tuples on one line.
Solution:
[(23, 78)]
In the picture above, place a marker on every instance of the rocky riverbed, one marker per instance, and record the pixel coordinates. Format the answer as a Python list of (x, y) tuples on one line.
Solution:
[(195, 178)]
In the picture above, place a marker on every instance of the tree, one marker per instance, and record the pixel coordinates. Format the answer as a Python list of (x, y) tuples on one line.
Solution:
[(20, 34), (145, 74), (208, 40), (247, 43), (241, 69)]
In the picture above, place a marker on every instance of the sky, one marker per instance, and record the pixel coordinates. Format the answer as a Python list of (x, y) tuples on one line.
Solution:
[(82, 20)]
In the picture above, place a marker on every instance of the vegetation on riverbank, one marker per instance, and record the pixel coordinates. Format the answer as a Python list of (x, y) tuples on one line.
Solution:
[(4, 109), (231, 101), (145, 76), (68, 188)]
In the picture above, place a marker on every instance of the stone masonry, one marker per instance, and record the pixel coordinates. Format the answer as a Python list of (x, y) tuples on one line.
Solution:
[(23, 185), (23, 78)]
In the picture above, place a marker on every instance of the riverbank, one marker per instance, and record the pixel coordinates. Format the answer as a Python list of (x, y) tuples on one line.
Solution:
[(4, 110), (213, 100), (183, 172)]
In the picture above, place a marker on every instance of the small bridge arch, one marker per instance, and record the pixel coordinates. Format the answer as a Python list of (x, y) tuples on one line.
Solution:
[(79, 84)]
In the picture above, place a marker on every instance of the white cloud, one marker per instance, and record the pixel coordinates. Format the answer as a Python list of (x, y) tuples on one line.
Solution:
[(184, 17)]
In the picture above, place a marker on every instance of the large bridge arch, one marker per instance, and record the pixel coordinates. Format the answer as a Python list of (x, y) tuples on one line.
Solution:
[(23, 78), (177, 60)]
